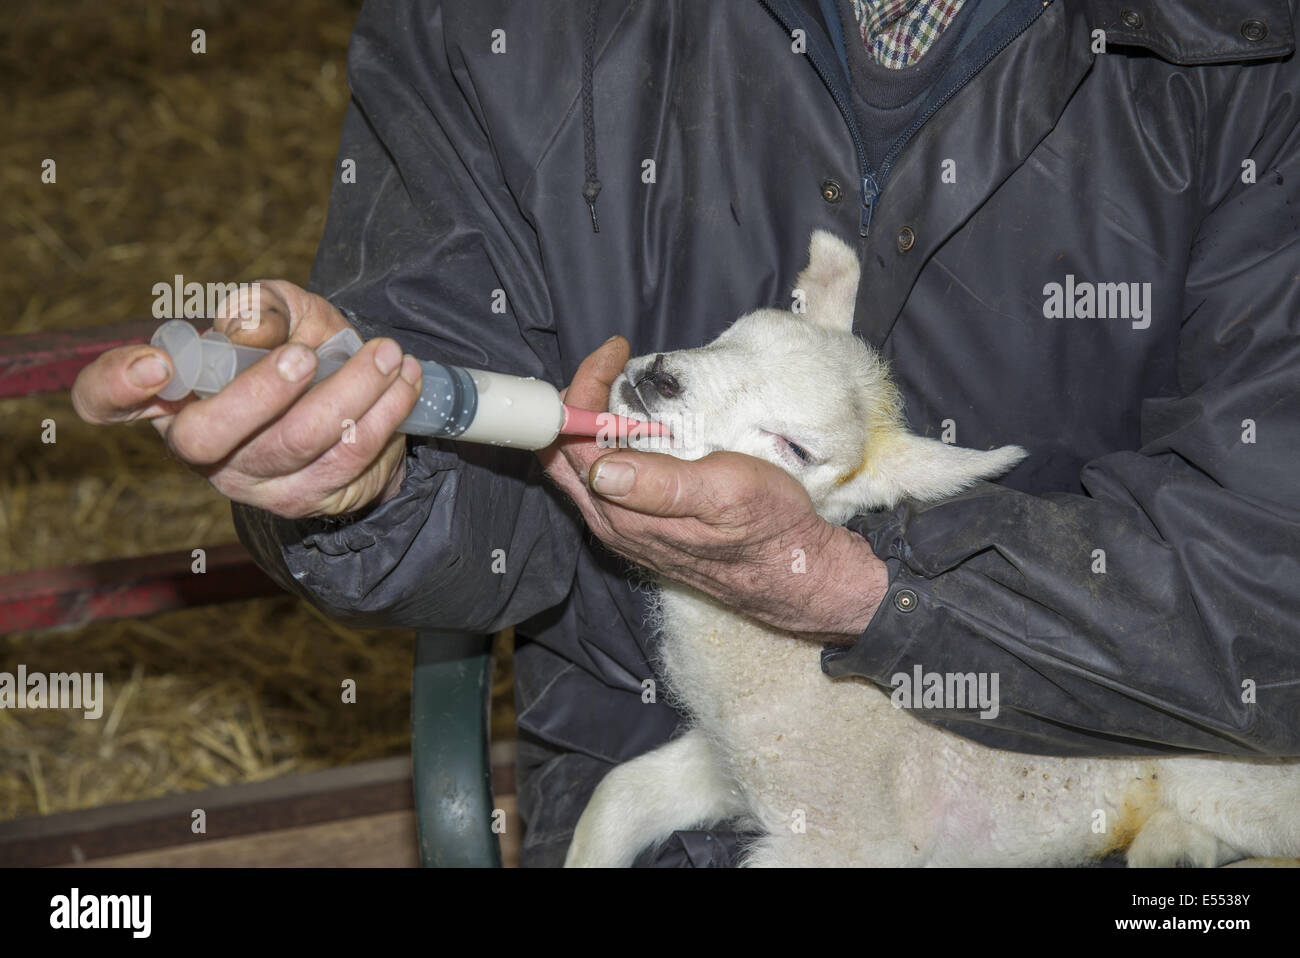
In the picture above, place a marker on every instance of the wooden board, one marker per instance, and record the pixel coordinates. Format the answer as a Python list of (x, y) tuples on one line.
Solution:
[(361, 815), (372, 841), (355, 791)]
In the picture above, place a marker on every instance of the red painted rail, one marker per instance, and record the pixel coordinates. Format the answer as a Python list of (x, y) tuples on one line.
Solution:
[(118, 588), (49, 362), (124, 588)]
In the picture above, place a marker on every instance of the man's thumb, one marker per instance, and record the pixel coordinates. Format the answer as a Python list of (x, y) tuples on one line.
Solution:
[(649, 483), (590, 386)]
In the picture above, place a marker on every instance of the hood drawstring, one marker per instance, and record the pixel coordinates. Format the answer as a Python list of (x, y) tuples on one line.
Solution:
[(591, 188)]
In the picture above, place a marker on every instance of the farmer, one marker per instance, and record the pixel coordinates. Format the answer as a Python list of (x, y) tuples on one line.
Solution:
[(1079, 227)]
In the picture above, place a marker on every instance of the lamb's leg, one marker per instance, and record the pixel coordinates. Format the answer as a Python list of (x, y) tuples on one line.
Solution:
[(678, 785), (1166, 841)]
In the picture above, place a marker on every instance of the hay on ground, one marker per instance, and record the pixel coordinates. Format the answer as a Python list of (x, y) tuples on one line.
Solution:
[(216, 166)]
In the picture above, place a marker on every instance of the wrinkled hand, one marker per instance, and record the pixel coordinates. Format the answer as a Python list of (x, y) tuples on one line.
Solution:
[(730, 525), (265, 439)]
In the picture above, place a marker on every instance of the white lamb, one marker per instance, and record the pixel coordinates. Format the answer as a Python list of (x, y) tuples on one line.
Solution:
[(830, 772)]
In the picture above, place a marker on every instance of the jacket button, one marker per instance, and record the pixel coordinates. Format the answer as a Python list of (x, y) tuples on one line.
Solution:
[(905, 239), (905, 600), (831, 191), (1254, 30), (1132, 19)]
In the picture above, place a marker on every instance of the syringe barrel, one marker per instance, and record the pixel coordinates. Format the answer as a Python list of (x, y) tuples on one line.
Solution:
[(511, 410), (478, 406), (455, 403)]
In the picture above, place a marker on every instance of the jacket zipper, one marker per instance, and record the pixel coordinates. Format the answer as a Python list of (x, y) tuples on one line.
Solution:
[(869, 191), (872, 185)]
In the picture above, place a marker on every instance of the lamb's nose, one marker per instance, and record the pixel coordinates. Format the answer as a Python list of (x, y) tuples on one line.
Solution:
[(663, 382)]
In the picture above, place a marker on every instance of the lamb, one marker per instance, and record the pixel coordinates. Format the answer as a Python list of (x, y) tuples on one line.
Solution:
[(830, 773)]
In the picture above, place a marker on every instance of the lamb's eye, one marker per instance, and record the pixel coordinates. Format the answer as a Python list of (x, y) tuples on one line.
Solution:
[(791, 448), (799, 451)]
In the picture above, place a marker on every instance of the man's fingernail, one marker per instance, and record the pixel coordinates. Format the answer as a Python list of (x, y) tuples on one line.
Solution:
[(387, 356), (294, 363), (411, 370), (613, 478), (147, 371)]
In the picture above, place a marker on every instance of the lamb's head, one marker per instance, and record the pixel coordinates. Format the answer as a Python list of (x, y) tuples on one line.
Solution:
[(797, 388)]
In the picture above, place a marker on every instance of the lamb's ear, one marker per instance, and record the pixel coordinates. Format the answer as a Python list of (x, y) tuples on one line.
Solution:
[(830, 281), (906, 466)]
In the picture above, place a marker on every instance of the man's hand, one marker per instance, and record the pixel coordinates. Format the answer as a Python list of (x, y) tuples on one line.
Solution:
[(265, 439), (732, 526)]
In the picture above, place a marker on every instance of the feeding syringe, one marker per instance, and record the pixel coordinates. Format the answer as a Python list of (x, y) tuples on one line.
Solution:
[(455, 403)]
